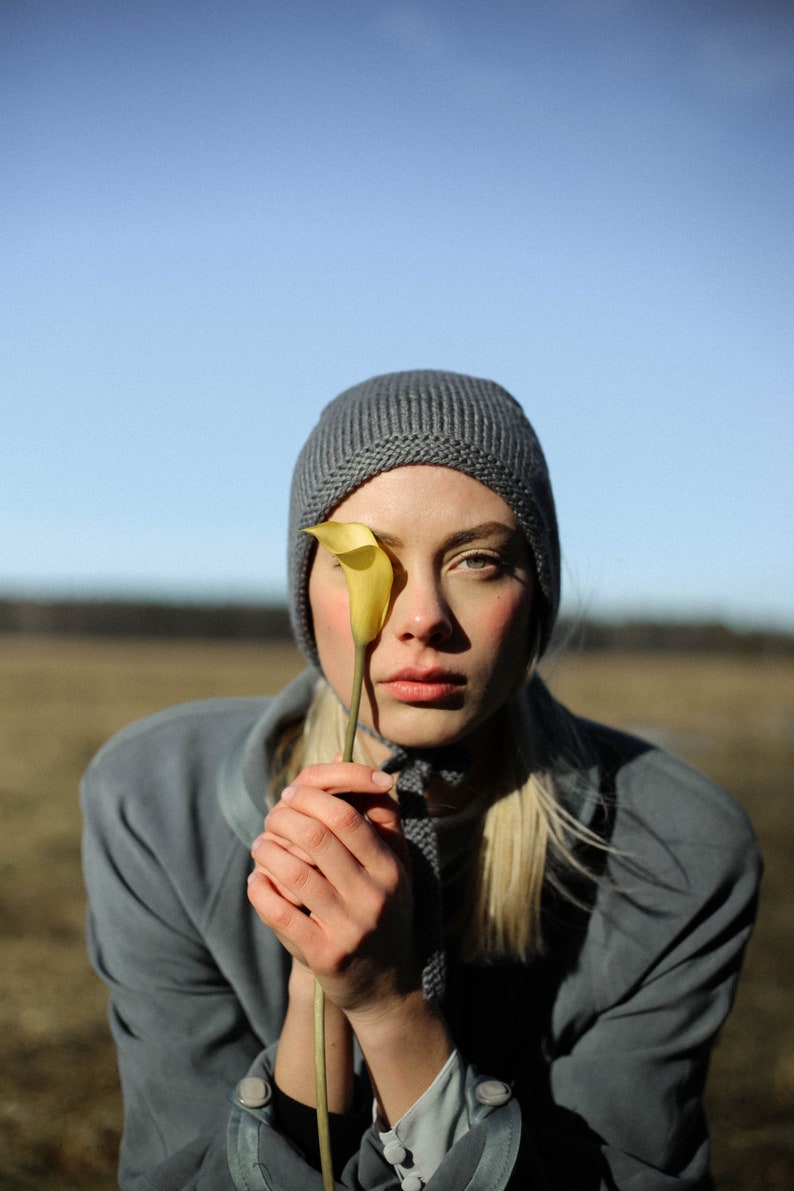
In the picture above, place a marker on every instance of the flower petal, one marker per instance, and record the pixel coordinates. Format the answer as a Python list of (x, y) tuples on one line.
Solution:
[(368, 573)]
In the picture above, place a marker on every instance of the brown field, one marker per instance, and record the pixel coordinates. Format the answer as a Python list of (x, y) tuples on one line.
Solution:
[(61, 698)]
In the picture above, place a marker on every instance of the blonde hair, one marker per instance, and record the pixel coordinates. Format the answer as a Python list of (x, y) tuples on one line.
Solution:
[(527, 839)]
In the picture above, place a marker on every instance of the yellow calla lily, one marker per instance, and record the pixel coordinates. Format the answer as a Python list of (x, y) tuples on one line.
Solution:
[(368, 573)]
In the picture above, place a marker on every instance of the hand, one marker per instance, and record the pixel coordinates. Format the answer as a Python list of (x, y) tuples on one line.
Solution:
[(331, 879)]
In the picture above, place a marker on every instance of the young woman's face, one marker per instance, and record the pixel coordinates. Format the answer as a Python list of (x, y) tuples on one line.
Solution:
[(456, 641)]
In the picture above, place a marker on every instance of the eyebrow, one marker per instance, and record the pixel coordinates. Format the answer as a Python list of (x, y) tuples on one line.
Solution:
[(475, 533)]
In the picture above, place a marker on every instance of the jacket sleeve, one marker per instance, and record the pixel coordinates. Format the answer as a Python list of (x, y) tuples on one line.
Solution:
[(661, 961), (179, 1030), (483, 1158)]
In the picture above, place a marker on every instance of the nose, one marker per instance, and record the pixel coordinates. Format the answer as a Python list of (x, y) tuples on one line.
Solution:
[(420, 611)]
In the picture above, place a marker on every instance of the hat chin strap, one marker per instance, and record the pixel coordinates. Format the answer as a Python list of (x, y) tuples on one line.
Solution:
[(416, 769)]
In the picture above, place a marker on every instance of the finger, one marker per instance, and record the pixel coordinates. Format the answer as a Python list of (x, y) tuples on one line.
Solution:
[(360, 871), (318, 824), (355, 783), (307, 840), (302, 884), (345, 777), (379, 809), (329, 932), (258, 869), (303, 935), (290, 923), (284, 842), (384, 815)]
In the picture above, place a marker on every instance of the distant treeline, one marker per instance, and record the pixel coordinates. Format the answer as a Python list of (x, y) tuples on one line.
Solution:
[(270, 622), (141, 618), (658, 636)]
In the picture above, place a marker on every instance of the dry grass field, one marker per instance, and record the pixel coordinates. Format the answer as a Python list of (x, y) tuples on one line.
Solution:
[(61, 698)]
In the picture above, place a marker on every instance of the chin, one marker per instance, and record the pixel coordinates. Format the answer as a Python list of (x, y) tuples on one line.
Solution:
[(424, 728)]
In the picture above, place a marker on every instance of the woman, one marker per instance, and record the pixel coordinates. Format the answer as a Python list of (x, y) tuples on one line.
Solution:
[(522, 990)]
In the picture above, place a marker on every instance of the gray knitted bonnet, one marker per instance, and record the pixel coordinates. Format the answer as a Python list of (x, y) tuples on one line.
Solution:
[(442, 418)]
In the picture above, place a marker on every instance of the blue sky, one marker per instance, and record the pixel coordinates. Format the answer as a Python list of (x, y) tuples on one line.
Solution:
[(217, 214)]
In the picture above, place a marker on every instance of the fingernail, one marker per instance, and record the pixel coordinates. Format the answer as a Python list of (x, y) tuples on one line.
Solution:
[(287, 793), (379, 778)]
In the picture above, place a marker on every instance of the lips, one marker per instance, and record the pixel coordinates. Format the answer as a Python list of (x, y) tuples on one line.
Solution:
[(413, 685)]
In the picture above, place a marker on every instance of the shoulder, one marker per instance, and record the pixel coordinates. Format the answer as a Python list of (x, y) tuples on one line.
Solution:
[(681, 855), (157, 779), (676, 894), (183, 735), (191, 764), (654, 795)]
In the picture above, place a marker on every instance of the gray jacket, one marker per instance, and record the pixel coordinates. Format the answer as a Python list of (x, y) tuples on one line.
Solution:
[(605, 1044)]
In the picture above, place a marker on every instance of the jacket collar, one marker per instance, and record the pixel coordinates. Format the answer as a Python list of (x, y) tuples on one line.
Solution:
[(246, 769)]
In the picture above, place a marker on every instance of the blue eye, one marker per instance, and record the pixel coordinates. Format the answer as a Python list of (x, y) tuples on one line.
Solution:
[(482, 562)]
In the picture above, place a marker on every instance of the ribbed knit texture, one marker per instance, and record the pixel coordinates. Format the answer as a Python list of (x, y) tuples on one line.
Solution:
[(441, 418), (417, 768)]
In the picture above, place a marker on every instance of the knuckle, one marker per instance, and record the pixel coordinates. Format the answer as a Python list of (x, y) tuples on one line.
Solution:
[(316, 836), (281, 915), (391, 880), (309, 774), (298, 875), (345, 817), (372, 911), (319, 775)]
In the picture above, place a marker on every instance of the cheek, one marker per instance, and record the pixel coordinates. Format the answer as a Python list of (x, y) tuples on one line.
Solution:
[(505, 629), (331, 619)]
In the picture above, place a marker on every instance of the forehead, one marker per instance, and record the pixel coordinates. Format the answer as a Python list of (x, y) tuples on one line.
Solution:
[(422, 494)]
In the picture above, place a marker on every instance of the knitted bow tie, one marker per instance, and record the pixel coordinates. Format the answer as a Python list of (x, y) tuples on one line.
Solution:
[(417, 769)]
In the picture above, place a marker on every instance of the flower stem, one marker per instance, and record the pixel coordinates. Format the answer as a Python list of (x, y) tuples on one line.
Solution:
[(355, 700), (321, 1088), (320, 1077)]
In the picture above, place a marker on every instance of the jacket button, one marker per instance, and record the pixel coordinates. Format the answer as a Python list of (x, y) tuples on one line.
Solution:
[(493, 1092), (394, 1152), (253, 1092)]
